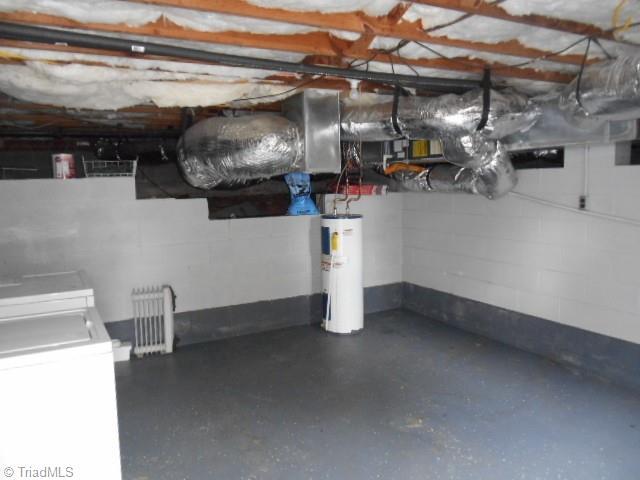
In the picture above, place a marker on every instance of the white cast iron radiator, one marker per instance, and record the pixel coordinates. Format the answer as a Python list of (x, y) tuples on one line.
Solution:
[(152, 320)]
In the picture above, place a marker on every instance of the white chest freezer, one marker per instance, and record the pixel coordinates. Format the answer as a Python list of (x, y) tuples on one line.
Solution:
[(58, 410)]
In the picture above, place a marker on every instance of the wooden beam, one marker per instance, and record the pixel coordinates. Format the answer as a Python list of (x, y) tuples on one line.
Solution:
[(363, 43), (353, 22), (482, 8), (88, 51), (462, 64), (301, 43), (315, 43), (358, 22)]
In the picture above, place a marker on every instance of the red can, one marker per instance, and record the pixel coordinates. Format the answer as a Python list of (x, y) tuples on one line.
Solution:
[(64, 165)]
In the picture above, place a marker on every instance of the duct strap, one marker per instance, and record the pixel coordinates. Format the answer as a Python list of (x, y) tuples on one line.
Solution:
[(579, 79), (394, 112), (486, 98), (428, 177)]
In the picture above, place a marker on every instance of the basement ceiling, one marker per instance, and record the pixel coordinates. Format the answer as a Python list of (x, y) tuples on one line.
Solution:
[(532, 45)]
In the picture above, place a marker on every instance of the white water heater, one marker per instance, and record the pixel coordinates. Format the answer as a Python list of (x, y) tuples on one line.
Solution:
[(342, 291)]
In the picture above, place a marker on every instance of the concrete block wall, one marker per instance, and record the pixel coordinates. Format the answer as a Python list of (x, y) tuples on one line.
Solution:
[(554, 264), (98, 225)]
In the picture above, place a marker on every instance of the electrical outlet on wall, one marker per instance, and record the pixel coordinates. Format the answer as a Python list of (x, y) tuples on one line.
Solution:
[(582, 202)]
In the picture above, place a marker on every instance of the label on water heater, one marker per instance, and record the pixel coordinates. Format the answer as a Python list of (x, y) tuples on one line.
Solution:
[(335, 241), (338, 262), (326, 242)]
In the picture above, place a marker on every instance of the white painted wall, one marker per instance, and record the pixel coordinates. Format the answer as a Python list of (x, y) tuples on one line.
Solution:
[(562, 266), (558, 265), (97, 225)]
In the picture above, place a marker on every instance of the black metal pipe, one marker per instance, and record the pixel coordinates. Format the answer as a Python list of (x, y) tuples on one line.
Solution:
[(71, 133), (29, 33)]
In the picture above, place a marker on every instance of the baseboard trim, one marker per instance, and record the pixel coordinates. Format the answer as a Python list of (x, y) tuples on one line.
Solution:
[(606, 357), (222, 322)]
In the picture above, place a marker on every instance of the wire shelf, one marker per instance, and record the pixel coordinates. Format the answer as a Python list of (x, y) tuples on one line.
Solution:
[(110, 168)]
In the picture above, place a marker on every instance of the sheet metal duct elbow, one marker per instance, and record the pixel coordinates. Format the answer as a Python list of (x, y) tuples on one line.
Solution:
[(231, 151)]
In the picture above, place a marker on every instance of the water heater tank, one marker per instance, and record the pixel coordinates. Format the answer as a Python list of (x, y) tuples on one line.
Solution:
[(342, 290)]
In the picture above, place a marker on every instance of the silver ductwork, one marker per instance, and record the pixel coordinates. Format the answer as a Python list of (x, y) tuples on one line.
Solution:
[(608, 90), (479, 163), (317, 114), (553, 129), (494, 179), (228, 151), (428, 117), (231, 151)]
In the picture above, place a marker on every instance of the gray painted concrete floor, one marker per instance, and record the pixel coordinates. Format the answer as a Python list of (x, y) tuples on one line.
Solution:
[(408, 398)]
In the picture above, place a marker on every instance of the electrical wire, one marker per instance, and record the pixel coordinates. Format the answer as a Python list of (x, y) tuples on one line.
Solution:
[(404, 61), (631, 25), (271, 95), (459, 19), (462, 17), (604, 50), (550, 54), (404, 43), (452, 22), (304, 84), (38, 127), (335, 197), (363, 62), (517, 65), (441, 55), (579, 78), (605, 216), (358, 158)]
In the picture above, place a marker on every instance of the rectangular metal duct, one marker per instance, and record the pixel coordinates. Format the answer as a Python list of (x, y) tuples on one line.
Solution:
[(552, 130), (317, 113)]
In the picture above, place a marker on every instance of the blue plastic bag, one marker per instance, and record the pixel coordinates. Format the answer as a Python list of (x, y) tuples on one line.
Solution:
[(300, 187)]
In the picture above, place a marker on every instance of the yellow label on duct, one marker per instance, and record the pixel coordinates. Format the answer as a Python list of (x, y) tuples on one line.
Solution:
[(419, 148)]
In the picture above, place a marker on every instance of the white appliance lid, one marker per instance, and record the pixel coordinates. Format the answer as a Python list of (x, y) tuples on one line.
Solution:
[(39, 288), (29, 334)]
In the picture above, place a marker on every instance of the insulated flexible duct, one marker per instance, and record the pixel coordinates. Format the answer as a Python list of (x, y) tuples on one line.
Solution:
[(233, 150), (371, 119), (607, 90), (492, 180), (480, 164)]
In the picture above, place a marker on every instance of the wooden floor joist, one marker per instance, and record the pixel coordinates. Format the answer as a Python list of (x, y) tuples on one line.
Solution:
[(486, 9), (313, 43), (318, 43), (361, 23)]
